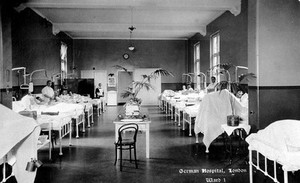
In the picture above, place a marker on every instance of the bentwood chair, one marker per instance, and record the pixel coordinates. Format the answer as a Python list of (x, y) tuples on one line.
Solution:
[(126, 141)]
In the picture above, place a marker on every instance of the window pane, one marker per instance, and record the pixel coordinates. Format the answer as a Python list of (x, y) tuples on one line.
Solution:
[(215, 52), (197, 50), (196, 63), (64, 62), (62, 66)]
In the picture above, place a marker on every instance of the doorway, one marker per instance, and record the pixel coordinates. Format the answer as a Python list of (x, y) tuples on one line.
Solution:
[(99, 76), (124, 80)]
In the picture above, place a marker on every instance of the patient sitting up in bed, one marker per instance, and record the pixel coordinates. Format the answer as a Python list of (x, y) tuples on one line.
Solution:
[(243, 96), (183, 88), (29, 100), (64, 95), (189, 88), (239, 94)]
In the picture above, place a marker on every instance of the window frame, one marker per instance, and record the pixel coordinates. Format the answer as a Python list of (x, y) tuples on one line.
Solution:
[(215, 54), (197, 64), (63, 61)]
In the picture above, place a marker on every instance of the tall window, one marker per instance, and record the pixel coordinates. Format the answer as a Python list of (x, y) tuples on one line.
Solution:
[(63, 61), (215, 54), (197, 64)]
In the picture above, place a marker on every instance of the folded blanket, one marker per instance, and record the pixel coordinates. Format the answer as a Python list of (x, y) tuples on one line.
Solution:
[(50, 113), (189, 104)]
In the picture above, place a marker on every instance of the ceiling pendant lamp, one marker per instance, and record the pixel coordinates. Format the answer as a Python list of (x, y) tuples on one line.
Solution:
[(131, 46), (131, 28)]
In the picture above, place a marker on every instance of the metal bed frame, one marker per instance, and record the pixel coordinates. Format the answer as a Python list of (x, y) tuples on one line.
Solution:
[(80, 120), (265, 170), (187, 119), (89, 115), (4, 179)]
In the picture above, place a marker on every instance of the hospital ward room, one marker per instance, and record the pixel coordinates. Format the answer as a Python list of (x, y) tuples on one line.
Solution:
[(193, 91)]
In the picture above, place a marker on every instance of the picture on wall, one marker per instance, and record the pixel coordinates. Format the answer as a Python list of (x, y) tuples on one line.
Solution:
[(111, 81)]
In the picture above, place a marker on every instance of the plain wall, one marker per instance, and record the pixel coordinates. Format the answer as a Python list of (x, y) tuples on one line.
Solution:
[(274, 29), (279, 38), (104, 54), (34, 46)]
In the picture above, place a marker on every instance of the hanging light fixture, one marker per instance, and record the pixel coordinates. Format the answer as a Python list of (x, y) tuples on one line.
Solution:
[(131, 28), (131, 46)]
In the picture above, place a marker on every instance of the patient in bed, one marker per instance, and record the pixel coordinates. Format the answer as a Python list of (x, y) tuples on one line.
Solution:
[(64, 96), (183, 88), (29, 100), (243, 97)]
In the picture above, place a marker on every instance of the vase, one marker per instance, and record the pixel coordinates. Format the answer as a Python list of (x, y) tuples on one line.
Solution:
[(132, 109)]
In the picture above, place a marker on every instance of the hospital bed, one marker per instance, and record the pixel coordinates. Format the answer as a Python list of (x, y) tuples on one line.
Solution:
[(79, 119), (59, 115), (97, 103), (189, 114), (170, 103), (182, 107), (279, 142), (88, 108), (178, 109), (165, 97), (213, 112), (63, 121), (87, 103), (62, 124), (45, 127), (18, 144)]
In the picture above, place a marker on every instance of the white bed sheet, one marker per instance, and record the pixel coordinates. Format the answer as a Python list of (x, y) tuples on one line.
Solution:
[(213, 112), (192, 111), (279, 141), (56, 121), (19, 139), (180, 105), (96, 101)]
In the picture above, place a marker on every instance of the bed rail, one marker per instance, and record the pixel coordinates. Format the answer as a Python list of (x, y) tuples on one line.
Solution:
[(265, 170), (89, 115), (4, 179)]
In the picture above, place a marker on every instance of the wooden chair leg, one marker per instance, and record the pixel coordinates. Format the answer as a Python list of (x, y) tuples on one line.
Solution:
[(116, 154), (136, 165), (120, 157)]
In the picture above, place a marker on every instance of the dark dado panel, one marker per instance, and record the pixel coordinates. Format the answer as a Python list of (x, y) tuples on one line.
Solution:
[(6, 97), (275, 103), (171, 86)]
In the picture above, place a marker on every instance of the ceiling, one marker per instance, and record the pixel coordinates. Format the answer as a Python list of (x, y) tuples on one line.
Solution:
[(110, 19)]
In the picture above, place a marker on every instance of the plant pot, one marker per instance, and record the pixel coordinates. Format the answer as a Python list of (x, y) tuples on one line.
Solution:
[(233, 120), (132, 110)]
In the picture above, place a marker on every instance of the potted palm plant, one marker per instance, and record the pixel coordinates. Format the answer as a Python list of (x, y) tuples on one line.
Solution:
[(135, 87), (233, 87)]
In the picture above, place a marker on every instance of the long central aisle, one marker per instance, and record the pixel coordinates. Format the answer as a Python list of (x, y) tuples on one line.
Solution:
[(174, 156)]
